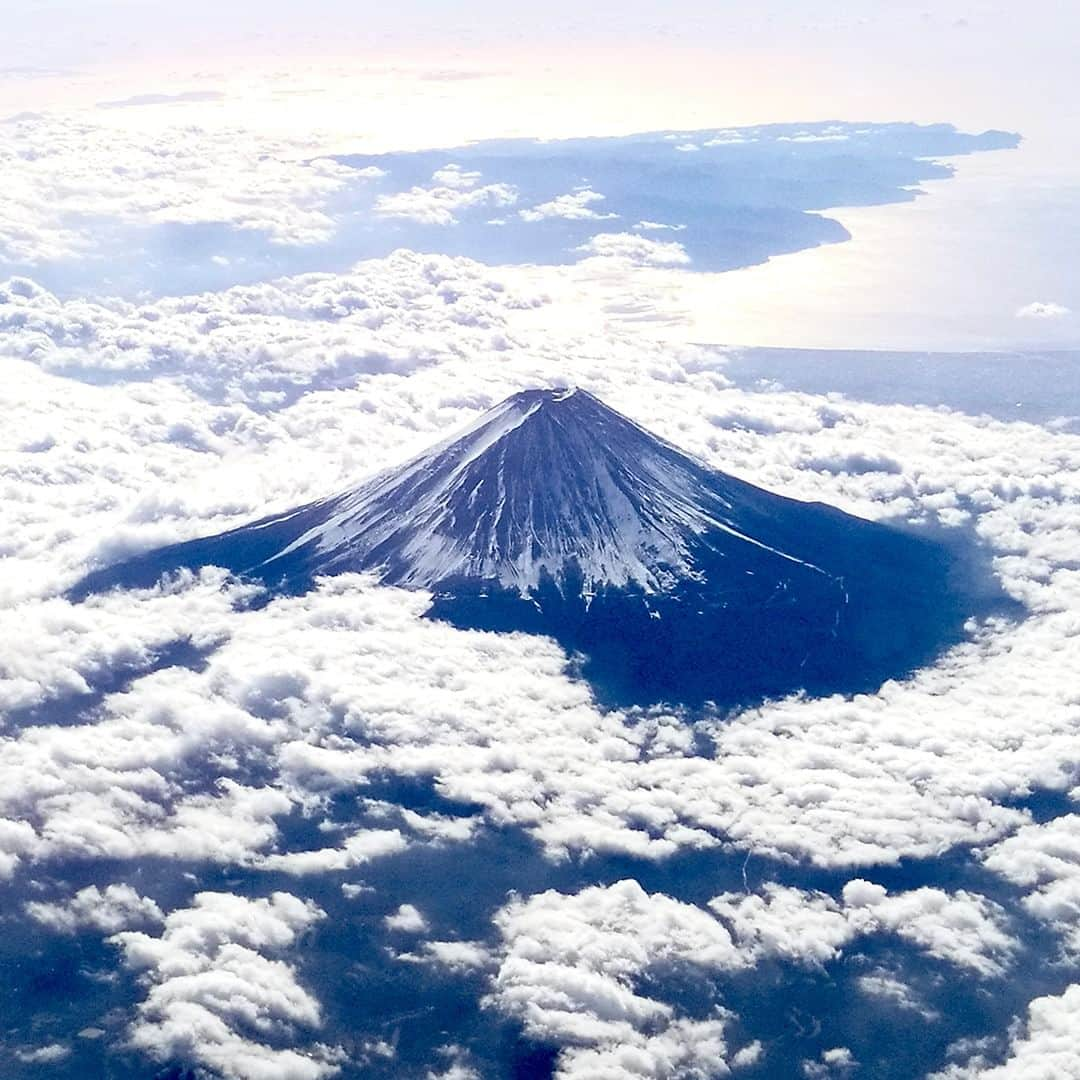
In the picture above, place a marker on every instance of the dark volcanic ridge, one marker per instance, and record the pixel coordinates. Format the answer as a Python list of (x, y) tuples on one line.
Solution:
[(554, 514)]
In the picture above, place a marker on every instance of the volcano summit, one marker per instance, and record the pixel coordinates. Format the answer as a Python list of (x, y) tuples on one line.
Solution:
[(554, 514)]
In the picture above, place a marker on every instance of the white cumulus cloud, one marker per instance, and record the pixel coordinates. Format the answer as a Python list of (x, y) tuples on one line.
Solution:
[(1043, 309), (108, 910), (573, 206), (452, 191), (635, 250), (216, 999)]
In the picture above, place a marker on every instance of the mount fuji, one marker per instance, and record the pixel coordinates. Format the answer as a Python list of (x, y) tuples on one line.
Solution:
[(665, 579)]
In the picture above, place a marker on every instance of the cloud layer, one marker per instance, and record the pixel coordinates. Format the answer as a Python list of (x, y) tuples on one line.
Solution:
[(199, 728)]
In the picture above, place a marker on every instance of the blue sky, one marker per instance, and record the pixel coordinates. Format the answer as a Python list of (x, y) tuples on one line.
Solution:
[(350, 80), (973, 62)]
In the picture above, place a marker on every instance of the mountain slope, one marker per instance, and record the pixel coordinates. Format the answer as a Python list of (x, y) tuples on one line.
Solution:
[(555, 514), (546, 482)]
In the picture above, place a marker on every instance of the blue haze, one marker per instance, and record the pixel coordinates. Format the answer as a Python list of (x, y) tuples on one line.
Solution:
[(755, 193)]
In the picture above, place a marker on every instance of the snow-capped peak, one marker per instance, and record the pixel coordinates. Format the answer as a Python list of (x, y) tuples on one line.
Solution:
[(547, 483)]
